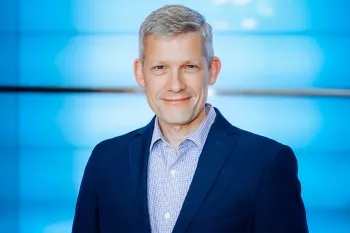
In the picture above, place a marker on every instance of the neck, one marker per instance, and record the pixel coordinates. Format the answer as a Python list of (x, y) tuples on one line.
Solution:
[(175, 134)]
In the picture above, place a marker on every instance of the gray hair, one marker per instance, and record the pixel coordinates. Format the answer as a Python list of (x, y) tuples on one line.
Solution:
[(172, 20)]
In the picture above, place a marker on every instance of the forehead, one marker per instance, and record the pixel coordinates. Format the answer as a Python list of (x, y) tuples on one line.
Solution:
[(187, 46)]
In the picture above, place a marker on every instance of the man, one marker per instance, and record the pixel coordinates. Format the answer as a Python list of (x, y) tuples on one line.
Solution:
[(189, 169)]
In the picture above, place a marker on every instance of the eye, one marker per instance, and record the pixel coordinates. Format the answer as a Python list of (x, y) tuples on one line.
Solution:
[(191, 68), (158, 70)]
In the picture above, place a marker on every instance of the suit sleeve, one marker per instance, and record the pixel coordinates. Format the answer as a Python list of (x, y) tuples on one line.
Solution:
[(86, 210), (279, 206)]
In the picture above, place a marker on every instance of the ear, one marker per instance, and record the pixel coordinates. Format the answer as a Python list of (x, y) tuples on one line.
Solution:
[(138, 73), (215, 67)]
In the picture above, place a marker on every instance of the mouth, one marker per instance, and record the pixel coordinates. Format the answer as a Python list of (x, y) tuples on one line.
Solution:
[(177, 101)]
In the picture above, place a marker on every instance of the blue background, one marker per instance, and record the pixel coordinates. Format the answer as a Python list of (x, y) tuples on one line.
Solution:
[(46, 138)]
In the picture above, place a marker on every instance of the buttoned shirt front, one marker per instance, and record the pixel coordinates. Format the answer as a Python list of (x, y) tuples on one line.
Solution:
[(170, 173)]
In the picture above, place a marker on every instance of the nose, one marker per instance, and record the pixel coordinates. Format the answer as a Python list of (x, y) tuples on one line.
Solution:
[(176, 81)]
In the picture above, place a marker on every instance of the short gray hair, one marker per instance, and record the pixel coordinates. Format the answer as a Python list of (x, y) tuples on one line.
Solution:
[(172, 20)]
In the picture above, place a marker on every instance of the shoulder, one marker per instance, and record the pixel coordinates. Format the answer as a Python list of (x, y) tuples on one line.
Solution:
[(250, 147), (118, 147), (116, 143), (248, 142), (258, 141), (262, 148)]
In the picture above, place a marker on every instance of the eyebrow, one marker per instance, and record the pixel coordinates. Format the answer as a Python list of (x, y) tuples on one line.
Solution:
[(190, 61)]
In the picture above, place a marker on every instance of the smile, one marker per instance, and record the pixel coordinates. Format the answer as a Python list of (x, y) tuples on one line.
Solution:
[(175, 101)]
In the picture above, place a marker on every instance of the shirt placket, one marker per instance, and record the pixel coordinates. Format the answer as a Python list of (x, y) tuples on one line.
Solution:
[(167, 214)]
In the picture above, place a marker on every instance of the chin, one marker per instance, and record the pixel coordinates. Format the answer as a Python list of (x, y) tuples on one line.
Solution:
[(176, 120)]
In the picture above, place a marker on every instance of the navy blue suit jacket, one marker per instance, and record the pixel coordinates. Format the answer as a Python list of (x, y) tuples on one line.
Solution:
[(243, 183)]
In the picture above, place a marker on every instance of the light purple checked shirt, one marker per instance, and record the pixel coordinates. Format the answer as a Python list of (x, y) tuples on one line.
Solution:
[(170, 175)]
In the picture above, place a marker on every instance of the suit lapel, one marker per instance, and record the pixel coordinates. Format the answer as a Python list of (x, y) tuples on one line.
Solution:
[(219, 144), (138, 157)]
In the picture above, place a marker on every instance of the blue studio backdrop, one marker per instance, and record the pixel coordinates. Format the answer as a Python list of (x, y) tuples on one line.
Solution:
[(51, 49)]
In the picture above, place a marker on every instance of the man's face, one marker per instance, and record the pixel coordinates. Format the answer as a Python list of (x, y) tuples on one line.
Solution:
[(175, 75)]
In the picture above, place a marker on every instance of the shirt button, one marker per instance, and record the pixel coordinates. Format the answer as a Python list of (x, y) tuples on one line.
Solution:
[(172, 172), (167, 215)]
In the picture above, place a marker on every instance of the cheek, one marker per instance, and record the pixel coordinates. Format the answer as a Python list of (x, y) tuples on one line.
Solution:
[(198, 84), (153, 89)]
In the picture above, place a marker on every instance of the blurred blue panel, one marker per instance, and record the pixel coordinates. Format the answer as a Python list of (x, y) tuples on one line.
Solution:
[(270, 62), (283, 62), (91, 61), (9, 189), (51, 16), (53, 217), (8, 16), (84, 120), (80, 120), (49, 182), (276, 15), (324, 176), (51, 174), (328, 220), (111, 15), (8, 175), (38, 62), (335, 72), (8, 217), (301, 122), (8, 59), (8, 120), (248, 62), (329, 15)]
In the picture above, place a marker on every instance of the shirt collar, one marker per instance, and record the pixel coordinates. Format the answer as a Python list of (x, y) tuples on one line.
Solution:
[(198, 136)]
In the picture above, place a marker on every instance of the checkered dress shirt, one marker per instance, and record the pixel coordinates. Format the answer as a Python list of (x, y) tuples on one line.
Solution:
[(170, 175)]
